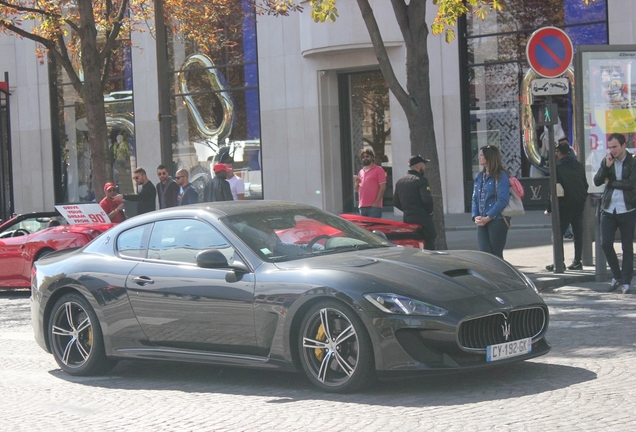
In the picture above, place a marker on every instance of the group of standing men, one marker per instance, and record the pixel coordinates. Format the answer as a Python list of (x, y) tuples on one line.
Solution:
[(222, 185)]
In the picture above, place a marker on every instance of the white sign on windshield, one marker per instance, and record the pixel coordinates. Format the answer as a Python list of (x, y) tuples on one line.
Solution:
[(83, 213)]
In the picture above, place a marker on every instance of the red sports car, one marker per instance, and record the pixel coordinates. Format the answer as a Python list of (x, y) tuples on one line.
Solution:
[(27, 237), (397, 232)]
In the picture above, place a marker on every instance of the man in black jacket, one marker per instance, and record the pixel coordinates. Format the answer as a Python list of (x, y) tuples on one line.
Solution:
[(217, 188), (618, 208), (167, 189), (571, 176), (413, 196), (186, 193), (146, 199)]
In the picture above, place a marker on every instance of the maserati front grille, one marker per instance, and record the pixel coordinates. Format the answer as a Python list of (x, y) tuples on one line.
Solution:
[(478, 333)]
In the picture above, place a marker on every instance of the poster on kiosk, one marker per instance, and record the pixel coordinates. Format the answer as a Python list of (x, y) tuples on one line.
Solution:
[(606, 94)]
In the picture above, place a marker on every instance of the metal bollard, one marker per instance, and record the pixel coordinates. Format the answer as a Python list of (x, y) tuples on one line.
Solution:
[(601, 263), (588, 232)]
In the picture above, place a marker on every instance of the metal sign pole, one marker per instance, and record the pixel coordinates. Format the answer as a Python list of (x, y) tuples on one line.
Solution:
[(557, 236)]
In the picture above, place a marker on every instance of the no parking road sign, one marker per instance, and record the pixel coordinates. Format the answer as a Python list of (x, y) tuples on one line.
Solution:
[(549, 52)]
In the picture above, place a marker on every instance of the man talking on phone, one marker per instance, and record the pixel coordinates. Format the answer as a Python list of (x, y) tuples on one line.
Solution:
[(618, 209)]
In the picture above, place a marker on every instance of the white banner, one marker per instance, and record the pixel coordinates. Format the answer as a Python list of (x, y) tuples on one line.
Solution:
[(83, 213)]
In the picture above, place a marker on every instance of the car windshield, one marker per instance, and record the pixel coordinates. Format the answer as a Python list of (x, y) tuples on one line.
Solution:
[(31, 225), (288, 234)]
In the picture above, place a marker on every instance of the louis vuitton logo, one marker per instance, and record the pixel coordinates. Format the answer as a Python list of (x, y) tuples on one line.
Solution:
[(536, 193)]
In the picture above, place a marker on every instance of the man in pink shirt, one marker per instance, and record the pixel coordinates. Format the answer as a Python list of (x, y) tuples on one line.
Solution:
[(370, 183)]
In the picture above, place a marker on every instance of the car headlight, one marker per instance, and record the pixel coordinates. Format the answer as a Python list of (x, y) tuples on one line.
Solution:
[(402, 305), (529, 282)]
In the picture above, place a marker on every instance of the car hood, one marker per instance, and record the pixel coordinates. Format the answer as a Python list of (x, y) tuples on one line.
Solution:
[(443, 275)]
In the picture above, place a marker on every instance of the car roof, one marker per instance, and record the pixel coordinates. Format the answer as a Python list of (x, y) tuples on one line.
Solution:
[(224, 208)]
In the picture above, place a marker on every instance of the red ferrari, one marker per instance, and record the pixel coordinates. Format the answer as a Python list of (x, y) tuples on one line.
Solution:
[(397, 232), (27, 237)]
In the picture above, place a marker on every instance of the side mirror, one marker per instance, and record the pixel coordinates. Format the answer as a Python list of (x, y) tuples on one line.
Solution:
[(380, 234), (211, 258)]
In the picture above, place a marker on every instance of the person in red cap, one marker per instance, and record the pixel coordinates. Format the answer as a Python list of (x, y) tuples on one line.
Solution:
[(112, 205), (217, 188)]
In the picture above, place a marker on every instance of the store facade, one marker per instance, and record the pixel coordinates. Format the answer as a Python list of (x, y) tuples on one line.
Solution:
[(293, 102)]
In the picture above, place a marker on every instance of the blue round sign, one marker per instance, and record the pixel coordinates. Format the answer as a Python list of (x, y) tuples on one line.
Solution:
[(549, 52)]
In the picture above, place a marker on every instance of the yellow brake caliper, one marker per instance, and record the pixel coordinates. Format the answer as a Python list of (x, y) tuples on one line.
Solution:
[(320, 336)]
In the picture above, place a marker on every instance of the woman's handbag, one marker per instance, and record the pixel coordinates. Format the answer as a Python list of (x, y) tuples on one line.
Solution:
[(515, 205)]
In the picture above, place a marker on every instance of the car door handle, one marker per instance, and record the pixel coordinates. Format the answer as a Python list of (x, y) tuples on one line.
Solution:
[(143, 280)]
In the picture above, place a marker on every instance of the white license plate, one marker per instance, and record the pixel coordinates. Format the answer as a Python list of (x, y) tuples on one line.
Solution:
[(508, 349)]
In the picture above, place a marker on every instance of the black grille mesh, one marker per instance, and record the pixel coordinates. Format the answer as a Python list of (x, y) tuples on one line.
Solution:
[(478, 333)]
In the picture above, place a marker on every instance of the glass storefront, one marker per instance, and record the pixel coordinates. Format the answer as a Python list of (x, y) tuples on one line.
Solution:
[(72, 156), (215, 106), (366, 124), (493, 62), (608, 82)]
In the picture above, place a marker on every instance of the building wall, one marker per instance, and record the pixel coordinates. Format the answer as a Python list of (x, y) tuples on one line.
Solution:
[(299, 107), (298, 65), (622, 22), (30, 125), (146, 103)]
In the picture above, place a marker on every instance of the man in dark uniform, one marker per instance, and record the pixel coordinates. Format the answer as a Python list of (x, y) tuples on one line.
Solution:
[(413, 196)]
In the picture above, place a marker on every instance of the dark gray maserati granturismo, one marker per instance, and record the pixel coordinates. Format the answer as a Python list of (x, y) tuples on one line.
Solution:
[(285, 286)]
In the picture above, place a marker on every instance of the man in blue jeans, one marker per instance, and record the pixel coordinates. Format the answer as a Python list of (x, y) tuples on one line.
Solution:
[(618, 209)]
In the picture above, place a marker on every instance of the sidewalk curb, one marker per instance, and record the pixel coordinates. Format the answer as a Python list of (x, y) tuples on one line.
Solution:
[(548, 281)]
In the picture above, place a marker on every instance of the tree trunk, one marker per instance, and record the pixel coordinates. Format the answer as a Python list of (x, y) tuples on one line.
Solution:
[(416, 100), (92, 93), (419, 112)]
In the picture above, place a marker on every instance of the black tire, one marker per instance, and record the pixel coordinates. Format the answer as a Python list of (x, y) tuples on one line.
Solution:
[(75, 337), (43, 253), (335, 349)]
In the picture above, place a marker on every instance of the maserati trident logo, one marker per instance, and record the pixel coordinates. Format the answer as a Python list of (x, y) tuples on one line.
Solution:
[(506, 329)]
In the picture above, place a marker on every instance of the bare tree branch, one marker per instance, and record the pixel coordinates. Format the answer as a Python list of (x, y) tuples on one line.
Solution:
[(71, 24), (382, 56), (39, 12), (114, 33), (28, 9), (65, 61), (401, 12), (25, 34)]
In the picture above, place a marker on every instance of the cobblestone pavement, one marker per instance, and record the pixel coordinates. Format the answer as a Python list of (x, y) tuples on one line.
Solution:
[(587, 383)]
